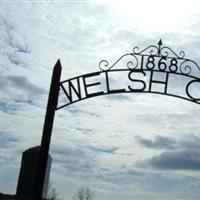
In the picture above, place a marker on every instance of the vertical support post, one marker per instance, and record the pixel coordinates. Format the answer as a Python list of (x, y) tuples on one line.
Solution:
[(47, 130)]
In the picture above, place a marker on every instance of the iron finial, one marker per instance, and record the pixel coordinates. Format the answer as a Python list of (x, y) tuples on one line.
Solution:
[(159, 46), (160, 42)]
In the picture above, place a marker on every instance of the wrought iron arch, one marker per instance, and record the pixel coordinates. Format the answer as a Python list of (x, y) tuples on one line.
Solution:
[(148, 63)]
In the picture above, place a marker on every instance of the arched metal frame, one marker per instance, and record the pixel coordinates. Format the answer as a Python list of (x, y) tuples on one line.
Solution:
[(151, 60)]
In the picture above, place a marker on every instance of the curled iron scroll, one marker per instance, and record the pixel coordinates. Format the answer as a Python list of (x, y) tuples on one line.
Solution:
[(151, 50), (168, 52), (105, 66), (185, 66)]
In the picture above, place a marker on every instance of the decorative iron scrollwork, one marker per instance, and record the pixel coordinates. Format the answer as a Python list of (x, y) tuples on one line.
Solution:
[(151, 70), (104, 64), (159, 58)]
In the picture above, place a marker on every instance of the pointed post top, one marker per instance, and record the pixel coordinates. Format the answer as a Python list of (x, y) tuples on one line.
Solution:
[(58, 64), (57, 71), (160, 42), (57, 68)]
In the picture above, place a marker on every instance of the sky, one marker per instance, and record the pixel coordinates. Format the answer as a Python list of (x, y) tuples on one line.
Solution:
[(128, 146)]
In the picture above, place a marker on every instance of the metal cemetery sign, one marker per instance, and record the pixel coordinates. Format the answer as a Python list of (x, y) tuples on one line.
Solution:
[(153, 70), (157, 69)]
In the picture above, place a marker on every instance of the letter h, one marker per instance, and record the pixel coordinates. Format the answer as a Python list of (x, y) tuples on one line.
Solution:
[(165, 82)]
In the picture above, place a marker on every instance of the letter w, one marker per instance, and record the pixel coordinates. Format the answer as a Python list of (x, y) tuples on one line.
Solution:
[(72, 90)]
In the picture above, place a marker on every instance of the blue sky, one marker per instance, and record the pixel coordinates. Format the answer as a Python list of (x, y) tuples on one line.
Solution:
[(134, 146)]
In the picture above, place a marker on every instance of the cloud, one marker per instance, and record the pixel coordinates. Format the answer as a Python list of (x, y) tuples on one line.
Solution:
[(8, 140), (84, 130), (78, 110), (195, 184), (16, 44), (192, 142), (119, 177), (181, 154), (74, 159), (108, 150), (133, 172), (159, 142), (118, 97), (16, 60), (23, 83), (178, 160), (20, 88), (8, 107)]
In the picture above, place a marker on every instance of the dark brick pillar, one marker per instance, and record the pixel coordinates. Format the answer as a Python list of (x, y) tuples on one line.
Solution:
[(27, 175)]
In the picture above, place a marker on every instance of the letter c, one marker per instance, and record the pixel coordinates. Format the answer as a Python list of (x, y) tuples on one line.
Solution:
[(188, 93)]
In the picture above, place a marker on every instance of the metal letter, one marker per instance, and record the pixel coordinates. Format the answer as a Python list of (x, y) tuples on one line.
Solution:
[(136, 80), (159, 82), (72, 87), (187, 90), (91, 84), (108, 86)]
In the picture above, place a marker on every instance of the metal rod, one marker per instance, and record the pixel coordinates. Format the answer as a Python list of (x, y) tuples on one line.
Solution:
[(47, 130)]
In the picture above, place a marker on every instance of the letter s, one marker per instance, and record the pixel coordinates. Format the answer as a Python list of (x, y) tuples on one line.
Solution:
[(136, 80)]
